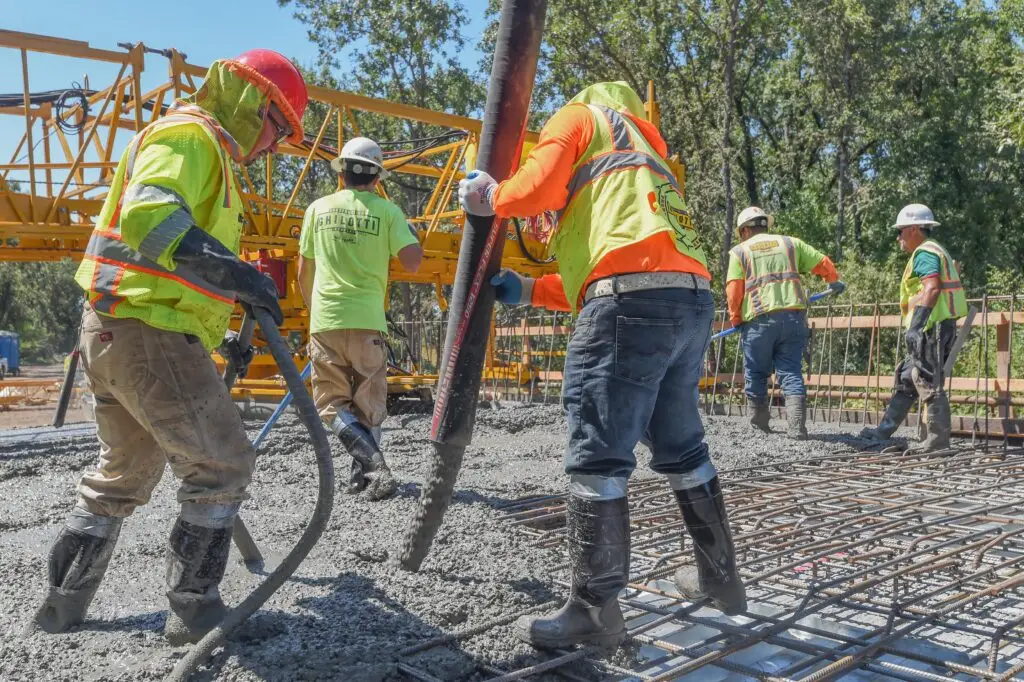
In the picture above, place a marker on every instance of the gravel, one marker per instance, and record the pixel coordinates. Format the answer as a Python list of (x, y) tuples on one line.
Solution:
[(346, 612)]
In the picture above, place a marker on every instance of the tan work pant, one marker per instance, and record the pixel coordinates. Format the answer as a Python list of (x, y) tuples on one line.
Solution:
[(350, 369), (159, 400)]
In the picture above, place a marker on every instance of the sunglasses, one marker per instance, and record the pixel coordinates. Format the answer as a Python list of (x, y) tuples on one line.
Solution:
[(281, 130)]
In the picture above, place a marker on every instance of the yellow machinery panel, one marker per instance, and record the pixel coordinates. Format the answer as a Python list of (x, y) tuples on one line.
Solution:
[(54, 183)]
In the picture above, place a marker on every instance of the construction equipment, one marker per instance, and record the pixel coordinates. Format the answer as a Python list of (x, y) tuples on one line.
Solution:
[(60, 168), (58, 172)]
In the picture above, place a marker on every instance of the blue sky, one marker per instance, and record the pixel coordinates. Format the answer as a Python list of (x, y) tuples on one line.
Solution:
[(203, 29)]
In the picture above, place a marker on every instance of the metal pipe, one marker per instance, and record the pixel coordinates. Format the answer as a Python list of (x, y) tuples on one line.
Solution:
[(508, 100)]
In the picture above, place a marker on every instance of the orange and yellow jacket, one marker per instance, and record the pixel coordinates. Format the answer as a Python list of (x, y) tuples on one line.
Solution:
[(542, 184)]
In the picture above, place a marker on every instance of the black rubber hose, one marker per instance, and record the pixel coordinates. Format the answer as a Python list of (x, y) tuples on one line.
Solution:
[(321, 512), (472, 301)]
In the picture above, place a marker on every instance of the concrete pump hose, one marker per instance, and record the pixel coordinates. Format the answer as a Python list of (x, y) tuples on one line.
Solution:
[(321, 512)]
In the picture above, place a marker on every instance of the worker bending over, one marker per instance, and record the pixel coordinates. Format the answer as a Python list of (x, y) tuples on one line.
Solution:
[(347, 241), (162, 276), (632, 264), (767, 301), (931, 301)]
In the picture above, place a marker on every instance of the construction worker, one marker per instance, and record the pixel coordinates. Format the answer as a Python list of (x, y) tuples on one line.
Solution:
[(931, 301), (162, 276), (632, 264), (347, 241), (768, 303)]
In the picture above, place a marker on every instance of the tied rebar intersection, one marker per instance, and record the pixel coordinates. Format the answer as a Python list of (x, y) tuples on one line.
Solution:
[(859, 566)]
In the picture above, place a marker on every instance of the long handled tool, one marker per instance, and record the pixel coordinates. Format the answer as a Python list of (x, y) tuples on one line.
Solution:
[(247, 547), (732, 330), (66, 388), (279, 410), (321, 512), (472, 301), (945, 371)]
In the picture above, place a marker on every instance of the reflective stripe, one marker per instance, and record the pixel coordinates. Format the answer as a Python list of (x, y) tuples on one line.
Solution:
[(592, 487), (611, 162), (165, 233), (227, 179), (153, 194), (794, 271), (748, 271), (105, 279), (620, 130), (209, 515), (115, 252), (948, 284), (171, 227), (691, 479), (771, 278), (84, 521)]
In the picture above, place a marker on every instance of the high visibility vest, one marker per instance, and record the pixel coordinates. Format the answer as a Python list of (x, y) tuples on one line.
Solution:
[(620, 193), (771, 275), (951, 304), (123, 283)]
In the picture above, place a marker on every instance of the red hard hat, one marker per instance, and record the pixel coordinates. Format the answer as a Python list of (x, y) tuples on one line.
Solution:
[(286, 79)]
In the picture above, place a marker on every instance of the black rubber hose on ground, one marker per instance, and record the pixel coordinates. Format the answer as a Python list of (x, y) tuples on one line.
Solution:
[(472, 302), (321, 512)]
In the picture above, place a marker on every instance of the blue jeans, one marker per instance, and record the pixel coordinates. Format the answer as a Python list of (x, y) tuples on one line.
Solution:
[(775, 341), (635, 360)]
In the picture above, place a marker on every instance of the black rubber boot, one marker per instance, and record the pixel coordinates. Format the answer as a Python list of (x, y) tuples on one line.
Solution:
[(796, 415), (714, 575), (760, 413), (196, 559), (895, 413), (598, 537), (939, 427), (78, 561), (369, 470)]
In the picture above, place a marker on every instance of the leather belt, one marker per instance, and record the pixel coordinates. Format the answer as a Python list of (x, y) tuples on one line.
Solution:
[(642, 281)]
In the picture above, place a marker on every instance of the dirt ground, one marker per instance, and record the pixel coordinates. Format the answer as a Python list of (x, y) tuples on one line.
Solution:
[(32, 415), (346, 612)]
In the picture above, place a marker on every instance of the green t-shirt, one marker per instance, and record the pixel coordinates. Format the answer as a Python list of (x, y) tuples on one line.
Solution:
[(351, 235)]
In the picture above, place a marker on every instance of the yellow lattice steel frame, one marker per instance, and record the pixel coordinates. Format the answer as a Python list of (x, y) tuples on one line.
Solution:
[(53, 219)]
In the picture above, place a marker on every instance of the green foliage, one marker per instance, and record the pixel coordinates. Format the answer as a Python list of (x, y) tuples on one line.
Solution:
[(43, 304)]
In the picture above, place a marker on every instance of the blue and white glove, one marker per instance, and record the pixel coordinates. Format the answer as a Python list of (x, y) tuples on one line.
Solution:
[(511, 288), (475, 192), (837, 287)]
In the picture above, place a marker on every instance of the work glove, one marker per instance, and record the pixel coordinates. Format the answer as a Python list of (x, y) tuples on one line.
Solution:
[(233, 352), (511, 288), (214, 262), (475, 192), (837, 287), (915, 336)]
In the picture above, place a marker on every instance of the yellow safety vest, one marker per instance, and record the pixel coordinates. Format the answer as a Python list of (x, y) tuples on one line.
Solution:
[(771, 275), (620, 193), (123, 283), (951, 304)]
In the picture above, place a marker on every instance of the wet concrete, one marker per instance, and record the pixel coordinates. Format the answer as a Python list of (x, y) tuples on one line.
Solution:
[(346, 612)]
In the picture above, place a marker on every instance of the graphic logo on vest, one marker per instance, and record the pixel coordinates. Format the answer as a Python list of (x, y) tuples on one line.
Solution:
[(674, 209)]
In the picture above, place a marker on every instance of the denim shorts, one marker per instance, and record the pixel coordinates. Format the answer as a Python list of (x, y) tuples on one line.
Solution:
[(632, 366)]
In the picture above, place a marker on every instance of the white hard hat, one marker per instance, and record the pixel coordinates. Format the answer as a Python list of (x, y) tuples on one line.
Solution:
[(750, 214), (365, 155), (915, 214)]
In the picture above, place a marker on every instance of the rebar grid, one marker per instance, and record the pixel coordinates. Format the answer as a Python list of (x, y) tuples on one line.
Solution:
[(859, 566)]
